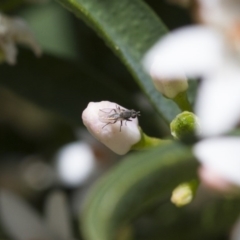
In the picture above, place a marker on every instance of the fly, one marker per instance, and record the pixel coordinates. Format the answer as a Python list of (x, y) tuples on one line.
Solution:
[(113, 115)]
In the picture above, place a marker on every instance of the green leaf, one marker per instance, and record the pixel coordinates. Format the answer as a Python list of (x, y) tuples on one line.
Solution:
[(141, 181), (130, 28), (61, 86), (133, 201), (52, 27)]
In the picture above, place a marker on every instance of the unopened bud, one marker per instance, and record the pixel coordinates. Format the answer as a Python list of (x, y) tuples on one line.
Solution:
[(183, 194), (104, 122), (169, 83), (184, 125), (170, 88)]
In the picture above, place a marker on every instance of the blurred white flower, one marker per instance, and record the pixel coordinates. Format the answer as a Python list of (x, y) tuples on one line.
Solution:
[(235, 233), (75, 163), (170, 88), (224, 16), (220, 158), (203, 51), (118, 141), (14, 30), (191, 51), (21, 222), (219, 13)]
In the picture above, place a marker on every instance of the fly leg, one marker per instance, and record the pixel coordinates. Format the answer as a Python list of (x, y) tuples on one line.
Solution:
[(126, 121), (109, 123), (120, 125), (109, 112)]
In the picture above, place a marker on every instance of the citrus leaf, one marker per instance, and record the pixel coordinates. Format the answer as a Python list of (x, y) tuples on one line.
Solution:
[(134, 186), (61, 86), (133, 201), (130, 28)]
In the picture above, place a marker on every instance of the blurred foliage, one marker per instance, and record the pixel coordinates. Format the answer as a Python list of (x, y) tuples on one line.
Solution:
[(41, 101)]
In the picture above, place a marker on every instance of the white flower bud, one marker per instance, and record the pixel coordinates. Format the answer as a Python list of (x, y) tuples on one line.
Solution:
[(12, 31), (118, 141), (170, 88)]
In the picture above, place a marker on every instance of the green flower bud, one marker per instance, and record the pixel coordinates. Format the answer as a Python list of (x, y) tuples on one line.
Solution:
[(184, 125), (184, 193)]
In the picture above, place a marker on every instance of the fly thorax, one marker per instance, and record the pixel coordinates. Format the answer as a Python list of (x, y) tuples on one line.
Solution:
[(126, 114)]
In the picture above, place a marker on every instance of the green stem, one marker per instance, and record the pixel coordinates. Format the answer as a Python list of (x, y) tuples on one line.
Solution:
[(182, 101), (148, 142)]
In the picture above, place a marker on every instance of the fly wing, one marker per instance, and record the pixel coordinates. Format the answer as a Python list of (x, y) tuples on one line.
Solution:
[(107, 115)]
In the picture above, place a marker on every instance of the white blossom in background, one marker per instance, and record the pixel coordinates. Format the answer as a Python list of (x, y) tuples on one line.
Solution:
[(170, 88), (222, 15), (75, 163), (220, 155), (235, 232), (14, 30), (211, 53), (21, 222), (202, 52), (191, 51), (118, 141)]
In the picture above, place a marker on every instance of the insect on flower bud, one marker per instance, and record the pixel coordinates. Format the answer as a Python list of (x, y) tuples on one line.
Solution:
[(113, 125)]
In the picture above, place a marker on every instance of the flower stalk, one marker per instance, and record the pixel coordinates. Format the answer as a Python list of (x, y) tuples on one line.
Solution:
[(182, 101), (147, 142)]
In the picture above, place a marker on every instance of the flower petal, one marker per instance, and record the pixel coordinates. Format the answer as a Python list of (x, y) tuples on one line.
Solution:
[(210, 12), (9, 50), (222, 155), (14, 30), (23, 34), (235, 233), (194, 51), (218, 102), (21, 221), (58, 215), (215, 181), (75, 163), (218, 13)]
